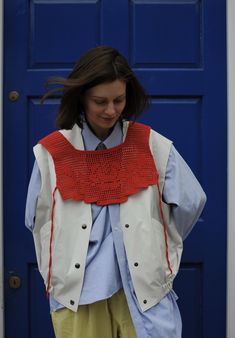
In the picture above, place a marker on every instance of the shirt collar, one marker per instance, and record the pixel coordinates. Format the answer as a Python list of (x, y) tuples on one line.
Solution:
[(91, 141)]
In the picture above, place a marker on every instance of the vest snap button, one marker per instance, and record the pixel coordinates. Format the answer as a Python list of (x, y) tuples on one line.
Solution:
[(72, 302), (84, 226), (136, 264), (77, 265), (127, 225), (145, 301)]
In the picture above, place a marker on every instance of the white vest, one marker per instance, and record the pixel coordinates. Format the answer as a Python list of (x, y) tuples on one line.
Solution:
[(143, 240)]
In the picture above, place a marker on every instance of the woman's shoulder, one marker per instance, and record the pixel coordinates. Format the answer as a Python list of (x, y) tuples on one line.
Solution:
[(154, 135), (158, 137)]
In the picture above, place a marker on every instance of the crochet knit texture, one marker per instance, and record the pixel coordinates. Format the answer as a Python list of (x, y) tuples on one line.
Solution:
[(103, 176)]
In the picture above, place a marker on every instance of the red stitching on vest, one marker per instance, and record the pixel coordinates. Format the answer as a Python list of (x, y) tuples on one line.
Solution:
[(164, 226), (50, 246)]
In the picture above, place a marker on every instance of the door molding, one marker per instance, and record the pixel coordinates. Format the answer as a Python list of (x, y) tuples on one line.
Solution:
[(231, 169), (1, 166)]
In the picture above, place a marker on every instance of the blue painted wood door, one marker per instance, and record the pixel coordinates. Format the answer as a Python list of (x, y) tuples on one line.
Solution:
[(178, 51)]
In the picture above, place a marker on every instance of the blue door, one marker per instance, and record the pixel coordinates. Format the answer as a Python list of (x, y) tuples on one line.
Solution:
[(178, 51)]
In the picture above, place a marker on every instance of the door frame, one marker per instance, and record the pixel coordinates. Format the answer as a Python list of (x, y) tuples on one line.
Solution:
[(1, 166), (231, 170)]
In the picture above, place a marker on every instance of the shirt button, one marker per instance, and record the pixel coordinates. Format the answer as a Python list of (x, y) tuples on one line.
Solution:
[(84, 226), (77, 265), (72, 302), (136, 264), (127, 225), (145, 301)]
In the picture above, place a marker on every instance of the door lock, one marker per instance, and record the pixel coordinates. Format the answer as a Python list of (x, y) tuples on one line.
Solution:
[(13, 96), (14, 282)]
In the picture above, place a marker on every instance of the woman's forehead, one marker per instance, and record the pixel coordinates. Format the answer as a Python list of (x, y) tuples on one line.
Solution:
[(115, 88)]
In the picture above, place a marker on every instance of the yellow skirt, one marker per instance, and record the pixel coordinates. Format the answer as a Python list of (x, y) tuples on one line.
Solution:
[(109, 318)]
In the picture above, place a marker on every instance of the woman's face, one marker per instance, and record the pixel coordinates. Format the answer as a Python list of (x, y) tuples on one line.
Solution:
[(103, 105)]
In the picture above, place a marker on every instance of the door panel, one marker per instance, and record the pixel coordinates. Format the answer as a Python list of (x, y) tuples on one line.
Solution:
[(178, 51)]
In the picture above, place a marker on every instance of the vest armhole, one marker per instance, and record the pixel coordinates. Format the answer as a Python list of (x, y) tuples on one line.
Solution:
[(160, 147), (45, 165)]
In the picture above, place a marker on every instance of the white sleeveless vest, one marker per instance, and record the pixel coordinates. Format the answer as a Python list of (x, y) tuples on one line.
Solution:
[(144, 239)]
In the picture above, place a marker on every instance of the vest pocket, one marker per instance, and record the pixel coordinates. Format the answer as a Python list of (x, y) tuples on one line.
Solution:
[(159, 248), (45, 233)]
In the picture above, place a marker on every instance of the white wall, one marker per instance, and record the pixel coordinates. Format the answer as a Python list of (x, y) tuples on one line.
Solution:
[(1, 219), (231, 168)]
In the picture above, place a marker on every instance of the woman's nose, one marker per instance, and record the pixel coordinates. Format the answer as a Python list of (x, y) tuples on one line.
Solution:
[(110, 109)]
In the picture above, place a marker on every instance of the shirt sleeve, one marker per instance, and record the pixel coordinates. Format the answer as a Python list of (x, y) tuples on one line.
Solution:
[(32, 197), (183, 192)]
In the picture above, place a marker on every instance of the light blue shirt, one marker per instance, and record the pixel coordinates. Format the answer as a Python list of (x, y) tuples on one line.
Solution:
[(106, 258)]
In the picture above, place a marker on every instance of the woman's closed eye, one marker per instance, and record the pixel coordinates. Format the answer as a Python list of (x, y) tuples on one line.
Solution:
[(100, 102), (119, 100)]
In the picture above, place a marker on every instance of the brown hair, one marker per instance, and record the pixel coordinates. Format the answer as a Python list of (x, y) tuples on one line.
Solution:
[(101, 64)]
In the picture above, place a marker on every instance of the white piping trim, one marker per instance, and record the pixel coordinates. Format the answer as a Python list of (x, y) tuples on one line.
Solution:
[(1, 165)]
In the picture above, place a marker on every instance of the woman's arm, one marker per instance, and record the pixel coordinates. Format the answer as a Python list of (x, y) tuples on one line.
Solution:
[(32, 197), (183, 191)]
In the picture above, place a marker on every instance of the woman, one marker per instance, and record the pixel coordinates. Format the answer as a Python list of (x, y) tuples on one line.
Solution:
[(109, 204)]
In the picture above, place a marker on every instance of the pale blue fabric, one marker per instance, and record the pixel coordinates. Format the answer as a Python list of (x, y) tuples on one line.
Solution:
[(106, 249), (107, 279), (162, 320)]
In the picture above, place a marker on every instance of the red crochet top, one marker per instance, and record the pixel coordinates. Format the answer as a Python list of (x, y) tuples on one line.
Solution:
[(103, 176)]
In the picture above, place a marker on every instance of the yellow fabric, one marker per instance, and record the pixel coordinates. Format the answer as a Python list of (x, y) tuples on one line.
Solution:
[(109, 318)]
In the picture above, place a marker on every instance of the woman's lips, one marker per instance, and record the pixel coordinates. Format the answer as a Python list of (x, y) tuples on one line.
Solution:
[(109, 119)]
